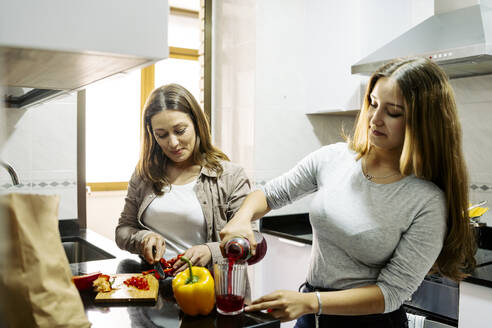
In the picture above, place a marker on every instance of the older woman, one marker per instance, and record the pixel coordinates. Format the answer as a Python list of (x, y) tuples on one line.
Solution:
[(184, 189), (389, 205)]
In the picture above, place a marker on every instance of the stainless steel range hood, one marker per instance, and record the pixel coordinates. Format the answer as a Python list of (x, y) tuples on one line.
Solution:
[(460, 41)]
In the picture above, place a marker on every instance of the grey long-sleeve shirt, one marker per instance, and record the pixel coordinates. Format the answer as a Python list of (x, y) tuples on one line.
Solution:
[(364, 233)]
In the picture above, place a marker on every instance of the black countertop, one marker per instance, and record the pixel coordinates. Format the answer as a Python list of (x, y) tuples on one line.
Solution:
[(163, 313), (298, 228), (292, 226)]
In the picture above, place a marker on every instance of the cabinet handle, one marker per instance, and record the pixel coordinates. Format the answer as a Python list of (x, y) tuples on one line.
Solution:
[(291, 242)]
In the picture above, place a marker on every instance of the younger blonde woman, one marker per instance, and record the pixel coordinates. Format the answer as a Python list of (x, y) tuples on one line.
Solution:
[(389, 205)]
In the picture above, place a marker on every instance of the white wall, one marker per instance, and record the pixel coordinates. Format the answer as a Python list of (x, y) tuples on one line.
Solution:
[(378, 15), (233, 79)]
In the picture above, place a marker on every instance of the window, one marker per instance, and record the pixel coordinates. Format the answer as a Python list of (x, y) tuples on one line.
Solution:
[(112, 128), (113, 106), (180, 71)]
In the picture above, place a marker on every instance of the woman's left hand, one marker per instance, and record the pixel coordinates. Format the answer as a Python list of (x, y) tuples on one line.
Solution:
[(199, 255), (285, 305)]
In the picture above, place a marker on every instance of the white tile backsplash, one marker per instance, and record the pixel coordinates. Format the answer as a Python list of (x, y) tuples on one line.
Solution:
[(474, 98), (41, 145), (54, 136), (473, 89)]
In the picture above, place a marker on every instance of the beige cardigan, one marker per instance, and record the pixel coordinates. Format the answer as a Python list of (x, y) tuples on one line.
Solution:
[(220, 197)]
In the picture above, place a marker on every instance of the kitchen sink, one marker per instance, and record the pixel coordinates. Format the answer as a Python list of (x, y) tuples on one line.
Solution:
[(79, 250)]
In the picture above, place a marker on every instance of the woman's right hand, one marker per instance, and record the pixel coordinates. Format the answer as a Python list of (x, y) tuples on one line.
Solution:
[(153, 247), (239, 225), (253, 207)]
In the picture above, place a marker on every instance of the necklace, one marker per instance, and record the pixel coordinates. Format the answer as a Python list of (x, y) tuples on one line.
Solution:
[(370, 177)]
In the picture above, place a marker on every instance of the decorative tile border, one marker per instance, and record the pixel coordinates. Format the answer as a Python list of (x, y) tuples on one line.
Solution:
[(4, 185), (59, 184), (481, 187)]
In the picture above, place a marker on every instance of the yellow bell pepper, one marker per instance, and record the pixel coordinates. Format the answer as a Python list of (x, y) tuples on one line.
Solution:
[(194, 290)]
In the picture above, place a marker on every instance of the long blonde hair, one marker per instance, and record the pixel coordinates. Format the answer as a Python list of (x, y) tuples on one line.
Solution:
[(432, 150), (152, 163)]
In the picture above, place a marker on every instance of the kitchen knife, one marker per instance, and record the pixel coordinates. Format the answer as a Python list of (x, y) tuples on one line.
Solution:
[(159, 269)]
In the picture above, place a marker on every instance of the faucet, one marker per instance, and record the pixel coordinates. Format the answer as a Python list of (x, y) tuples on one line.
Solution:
[(13, 175)]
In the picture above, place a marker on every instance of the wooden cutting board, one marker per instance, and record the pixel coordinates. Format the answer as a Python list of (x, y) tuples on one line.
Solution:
[(124, 293)]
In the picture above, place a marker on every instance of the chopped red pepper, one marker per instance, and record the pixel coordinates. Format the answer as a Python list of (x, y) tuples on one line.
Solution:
[(149, 271), (167, 265), (138, 282), (153, 271)]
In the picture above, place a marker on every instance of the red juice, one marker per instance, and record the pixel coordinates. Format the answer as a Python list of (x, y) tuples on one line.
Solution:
[(229, 303), (229, 275)]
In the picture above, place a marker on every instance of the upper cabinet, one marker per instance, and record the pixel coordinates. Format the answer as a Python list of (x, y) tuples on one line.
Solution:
[(338, 34), (332, 45), (66, 45)]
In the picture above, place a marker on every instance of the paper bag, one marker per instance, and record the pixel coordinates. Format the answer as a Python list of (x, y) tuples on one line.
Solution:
[(35, 278)]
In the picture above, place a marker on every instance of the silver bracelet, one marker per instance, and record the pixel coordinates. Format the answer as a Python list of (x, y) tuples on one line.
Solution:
[(320, 309)]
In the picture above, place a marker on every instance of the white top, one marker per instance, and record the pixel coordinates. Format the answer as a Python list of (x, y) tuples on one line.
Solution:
[(178, 217), (364, 233)]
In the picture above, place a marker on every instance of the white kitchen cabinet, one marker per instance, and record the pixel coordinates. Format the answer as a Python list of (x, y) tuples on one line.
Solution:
[(66, 45), (332, 45), (475, 306), (339, 34), (284, 267)]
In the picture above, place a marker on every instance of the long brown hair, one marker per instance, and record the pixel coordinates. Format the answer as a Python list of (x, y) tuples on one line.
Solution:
[(432, 150), (152, 163)]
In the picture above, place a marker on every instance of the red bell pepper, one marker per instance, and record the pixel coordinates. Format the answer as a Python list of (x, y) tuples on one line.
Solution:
[(84, 282)]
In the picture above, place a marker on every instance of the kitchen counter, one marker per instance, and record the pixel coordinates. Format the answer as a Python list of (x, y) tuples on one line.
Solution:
[(163, 313), (298, 228)]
